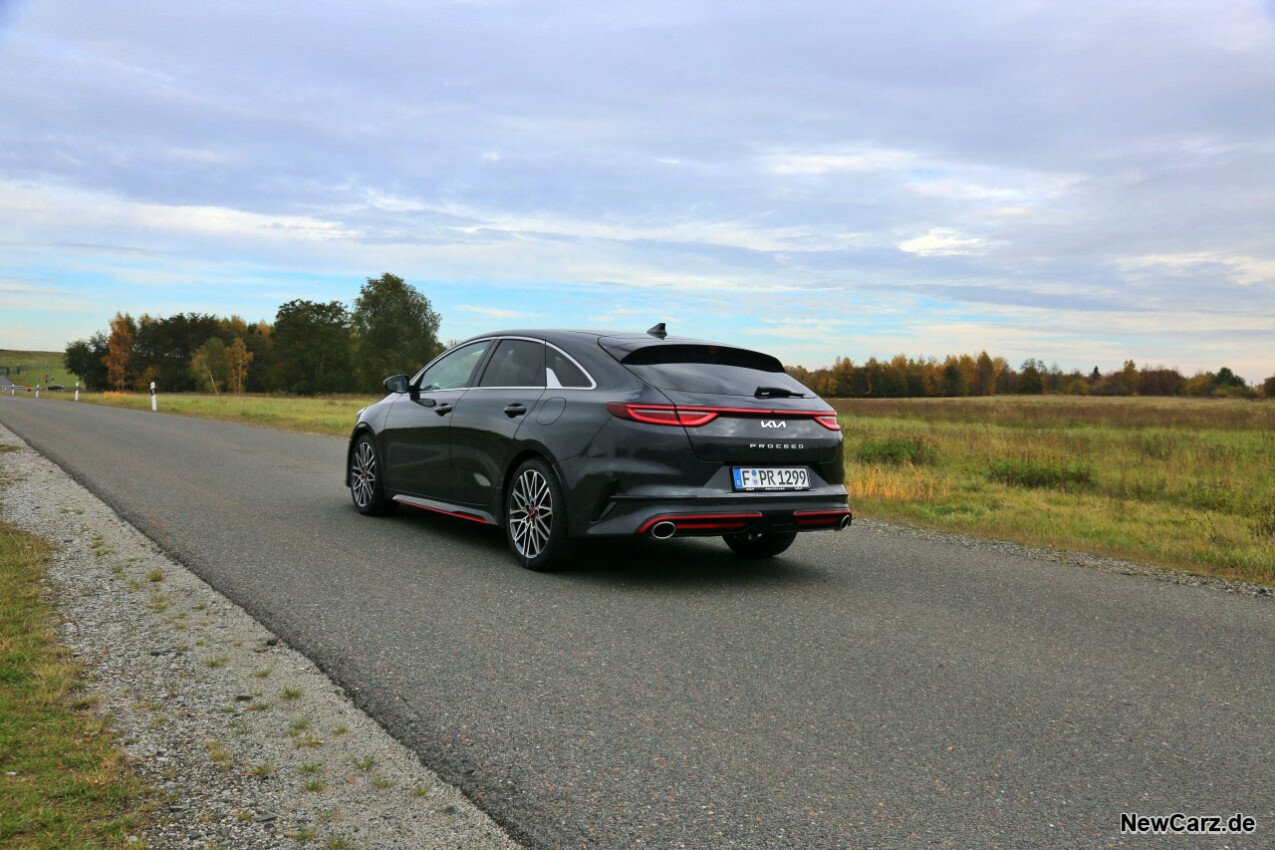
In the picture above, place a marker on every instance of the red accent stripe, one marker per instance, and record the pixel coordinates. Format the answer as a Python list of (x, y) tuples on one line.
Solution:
[(469, 517), (711, 520)]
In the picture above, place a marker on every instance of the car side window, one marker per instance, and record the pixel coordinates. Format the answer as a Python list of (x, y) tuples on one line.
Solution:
[(454, 370), (516, 363), (564, 373)]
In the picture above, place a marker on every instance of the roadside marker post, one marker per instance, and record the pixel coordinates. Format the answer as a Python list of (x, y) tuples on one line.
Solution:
[(153, 407), (77, 390), (37, 392)]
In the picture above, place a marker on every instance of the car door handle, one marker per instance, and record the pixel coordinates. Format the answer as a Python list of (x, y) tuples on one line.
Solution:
[(515, 409), (443, 409)]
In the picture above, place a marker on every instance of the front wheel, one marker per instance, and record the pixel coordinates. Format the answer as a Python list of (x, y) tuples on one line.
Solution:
[(366, 486), (536, 518), (760, 545)]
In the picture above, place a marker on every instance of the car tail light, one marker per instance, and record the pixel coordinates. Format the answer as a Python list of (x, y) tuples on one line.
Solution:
[(662, 415), (693, 417)]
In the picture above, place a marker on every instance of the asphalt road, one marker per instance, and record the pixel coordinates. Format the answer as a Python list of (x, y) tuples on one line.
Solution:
[(865, 689)]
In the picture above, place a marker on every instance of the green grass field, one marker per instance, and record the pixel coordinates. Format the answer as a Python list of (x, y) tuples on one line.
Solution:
[(1182, 483), (34, 366)]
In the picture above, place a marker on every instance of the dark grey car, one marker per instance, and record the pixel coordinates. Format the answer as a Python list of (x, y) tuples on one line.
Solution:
[(558, 435)]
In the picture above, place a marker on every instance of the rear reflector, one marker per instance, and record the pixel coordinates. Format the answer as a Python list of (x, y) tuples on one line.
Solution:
[(714, 523)]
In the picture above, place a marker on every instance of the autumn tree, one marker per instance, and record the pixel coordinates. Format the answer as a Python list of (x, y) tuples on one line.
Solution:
[(396, 330), (119, 348), (237, 359), (985, 372), (210, 366)]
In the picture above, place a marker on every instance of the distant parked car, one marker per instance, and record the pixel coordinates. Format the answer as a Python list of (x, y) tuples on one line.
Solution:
[(557, 435), (57, 388)]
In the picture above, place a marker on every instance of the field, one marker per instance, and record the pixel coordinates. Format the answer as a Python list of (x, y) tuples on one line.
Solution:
[(1182, 483), (34, 366)]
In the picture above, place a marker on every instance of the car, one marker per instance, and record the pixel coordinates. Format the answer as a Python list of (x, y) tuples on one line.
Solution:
[(562, 435)]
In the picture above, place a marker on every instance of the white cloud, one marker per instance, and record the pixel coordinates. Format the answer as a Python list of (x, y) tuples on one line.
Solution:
[(870, 160), (1244, 270), (495, 312), (943, 242)]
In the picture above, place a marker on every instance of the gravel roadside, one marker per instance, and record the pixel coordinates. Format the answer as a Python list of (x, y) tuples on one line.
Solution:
[(252, 744)]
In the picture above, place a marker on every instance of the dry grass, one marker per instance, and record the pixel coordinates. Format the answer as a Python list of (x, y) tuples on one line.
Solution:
[(1182, 483)]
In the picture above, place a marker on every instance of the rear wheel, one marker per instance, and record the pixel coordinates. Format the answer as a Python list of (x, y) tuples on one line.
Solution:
[(366, 486), (536, 518), (762, 545)]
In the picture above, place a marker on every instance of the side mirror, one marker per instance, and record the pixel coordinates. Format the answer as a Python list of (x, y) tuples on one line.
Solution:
[(396, 384)]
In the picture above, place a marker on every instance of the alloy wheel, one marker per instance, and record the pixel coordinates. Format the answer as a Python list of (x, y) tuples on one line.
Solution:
[(531, 514), (363, 474)]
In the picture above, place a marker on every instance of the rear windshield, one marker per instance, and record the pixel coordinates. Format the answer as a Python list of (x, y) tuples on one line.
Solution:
[(712, 369)]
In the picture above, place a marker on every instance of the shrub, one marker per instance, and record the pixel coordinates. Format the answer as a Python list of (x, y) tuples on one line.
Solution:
[(1039, 474), (896, 450)]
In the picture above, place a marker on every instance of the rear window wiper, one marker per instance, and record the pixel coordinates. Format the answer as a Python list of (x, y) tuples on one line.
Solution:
[(776, 392)]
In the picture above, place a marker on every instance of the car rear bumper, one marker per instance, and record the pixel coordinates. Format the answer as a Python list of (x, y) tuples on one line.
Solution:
[(723, 513)]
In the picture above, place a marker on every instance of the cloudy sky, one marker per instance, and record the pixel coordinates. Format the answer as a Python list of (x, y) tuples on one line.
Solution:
[(1081, 182)]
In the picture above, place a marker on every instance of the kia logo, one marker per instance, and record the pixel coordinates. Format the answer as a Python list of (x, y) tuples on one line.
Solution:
[(773, 423)]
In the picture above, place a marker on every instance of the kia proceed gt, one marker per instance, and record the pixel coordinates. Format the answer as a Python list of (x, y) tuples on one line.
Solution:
[(558, 435)]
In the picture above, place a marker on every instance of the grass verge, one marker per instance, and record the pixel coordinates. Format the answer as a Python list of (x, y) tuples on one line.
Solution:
[(62, 783)]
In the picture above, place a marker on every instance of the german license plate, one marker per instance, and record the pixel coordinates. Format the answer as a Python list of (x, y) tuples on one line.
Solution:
[(772, 478)]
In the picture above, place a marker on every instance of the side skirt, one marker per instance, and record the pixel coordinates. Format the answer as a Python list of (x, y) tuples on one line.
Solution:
[(448, 509)]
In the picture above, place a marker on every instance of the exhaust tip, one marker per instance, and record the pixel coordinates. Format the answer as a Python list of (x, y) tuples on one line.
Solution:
[(663, 530), (845, 523)]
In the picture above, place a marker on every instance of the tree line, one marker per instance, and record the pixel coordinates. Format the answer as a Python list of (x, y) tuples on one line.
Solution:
[(325, 347), (982, 374), (311, 347)]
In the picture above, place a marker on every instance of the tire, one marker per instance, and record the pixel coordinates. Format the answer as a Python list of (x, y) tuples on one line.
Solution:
[(760, 545), (536, 518), (367, 486)]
